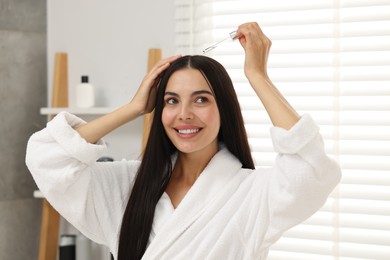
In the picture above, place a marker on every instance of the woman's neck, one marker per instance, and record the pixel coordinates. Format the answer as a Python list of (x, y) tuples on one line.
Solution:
[(188, 167)]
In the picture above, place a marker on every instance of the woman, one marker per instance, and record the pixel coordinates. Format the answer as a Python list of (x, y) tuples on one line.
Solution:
[(196, 194)]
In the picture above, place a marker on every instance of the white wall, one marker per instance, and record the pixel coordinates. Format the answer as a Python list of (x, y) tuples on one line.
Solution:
[(109, 41)]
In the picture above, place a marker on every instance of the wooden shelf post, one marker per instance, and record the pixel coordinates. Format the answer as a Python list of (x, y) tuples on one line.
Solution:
[(154, 56), (50, 221)]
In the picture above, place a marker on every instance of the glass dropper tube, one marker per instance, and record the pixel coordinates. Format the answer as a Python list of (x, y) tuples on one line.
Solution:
[(232, 36)]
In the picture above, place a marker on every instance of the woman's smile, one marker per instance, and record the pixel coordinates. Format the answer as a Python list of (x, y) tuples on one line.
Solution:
[(187, 131)]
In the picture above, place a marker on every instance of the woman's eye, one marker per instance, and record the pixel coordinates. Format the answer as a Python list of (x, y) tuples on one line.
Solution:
[(201, 100), (171, 101)]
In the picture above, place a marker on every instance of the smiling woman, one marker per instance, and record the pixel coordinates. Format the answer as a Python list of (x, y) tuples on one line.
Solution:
[(196, 193), (195, 95)]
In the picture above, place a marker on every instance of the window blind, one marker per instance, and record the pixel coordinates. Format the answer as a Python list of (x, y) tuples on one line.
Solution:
[(330, 59)]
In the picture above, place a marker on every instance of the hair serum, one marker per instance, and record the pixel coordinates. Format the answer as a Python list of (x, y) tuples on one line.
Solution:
[(85, 93)]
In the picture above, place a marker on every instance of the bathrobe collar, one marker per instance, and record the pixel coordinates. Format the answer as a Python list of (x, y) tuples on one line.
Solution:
[(217, 178)]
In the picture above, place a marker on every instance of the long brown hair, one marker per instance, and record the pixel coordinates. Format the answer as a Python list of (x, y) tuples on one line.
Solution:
[(156, 166)]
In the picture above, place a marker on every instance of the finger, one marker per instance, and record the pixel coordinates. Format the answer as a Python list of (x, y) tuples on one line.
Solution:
[(172, 58), (162, 65), (165, 61), (245, 33), (251, 35)]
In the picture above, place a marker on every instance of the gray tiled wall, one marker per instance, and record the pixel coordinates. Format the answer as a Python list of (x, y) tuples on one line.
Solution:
[(22, 93)]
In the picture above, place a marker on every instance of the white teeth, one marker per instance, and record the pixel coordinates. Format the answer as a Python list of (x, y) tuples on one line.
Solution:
[(188, 131)]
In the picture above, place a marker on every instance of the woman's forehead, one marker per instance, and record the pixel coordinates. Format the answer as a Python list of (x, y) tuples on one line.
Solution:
[(187, 80)]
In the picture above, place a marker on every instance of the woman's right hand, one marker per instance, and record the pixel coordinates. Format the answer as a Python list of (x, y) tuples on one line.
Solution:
[(143, 102), (145, 98)]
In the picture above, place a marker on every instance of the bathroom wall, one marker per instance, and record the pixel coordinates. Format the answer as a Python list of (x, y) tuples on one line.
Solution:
[(109, 42), (22, 92)]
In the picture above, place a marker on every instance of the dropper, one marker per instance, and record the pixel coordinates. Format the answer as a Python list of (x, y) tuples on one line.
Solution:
[(232, 36)]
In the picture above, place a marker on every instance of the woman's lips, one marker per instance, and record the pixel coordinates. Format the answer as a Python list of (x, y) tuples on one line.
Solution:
[(187, 132)]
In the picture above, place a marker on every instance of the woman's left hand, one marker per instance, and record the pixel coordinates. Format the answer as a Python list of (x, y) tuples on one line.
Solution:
[(256, 45)]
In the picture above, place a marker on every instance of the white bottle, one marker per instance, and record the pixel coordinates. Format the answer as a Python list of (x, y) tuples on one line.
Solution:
[(85, 93)]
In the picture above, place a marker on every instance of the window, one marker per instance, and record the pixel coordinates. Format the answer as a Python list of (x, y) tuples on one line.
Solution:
[(330, 59)]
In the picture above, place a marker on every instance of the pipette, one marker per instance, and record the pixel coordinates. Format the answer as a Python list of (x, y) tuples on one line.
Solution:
[(232, 36)]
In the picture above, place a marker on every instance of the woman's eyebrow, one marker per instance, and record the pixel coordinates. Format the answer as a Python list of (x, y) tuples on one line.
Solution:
[(171, 94), (201, 92), (198, 92)]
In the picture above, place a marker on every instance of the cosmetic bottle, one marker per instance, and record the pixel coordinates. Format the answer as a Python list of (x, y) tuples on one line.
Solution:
[(67, 247), (85, 93)]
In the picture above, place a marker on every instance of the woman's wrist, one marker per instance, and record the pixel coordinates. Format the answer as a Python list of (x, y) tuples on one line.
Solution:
[(134, 109), (128, 112), (259, 81)]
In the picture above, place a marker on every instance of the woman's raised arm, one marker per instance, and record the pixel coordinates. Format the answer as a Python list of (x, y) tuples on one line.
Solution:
[(257, 46)]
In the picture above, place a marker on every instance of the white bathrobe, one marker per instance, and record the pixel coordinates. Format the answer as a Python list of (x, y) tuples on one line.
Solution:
[(229, 213)]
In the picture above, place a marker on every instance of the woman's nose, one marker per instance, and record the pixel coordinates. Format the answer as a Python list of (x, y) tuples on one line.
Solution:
[(185, 113)]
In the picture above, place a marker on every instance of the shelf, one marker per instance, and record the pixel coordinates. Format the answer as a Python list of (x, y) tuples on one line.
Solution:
[(77, 110)]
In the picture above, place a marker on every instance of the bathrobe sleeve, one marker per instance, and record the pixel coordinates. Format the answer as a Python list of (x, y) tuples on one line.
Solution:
[(90, 195), (300, 181)]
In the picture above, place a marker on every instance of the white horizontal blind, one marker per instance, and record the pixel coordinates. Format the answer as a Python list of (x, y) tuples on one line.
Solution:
[(330, 59)]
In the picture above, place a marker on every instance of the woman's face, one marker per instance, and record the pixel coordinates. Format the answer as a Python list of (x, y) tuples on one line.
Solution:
[(190, 115)]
